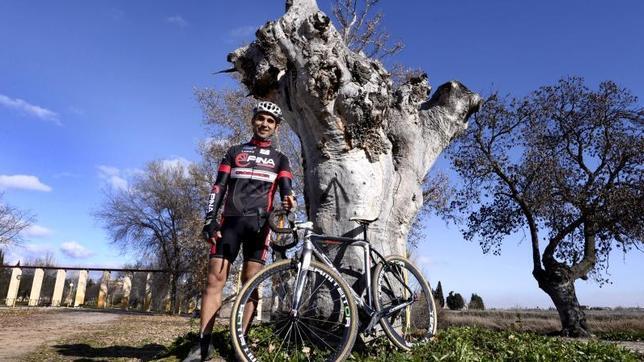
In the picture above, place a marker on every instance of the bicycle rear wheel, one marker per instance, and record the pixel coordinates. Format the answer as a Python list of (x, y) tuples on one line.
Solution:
[(323, 329), (399, 289)]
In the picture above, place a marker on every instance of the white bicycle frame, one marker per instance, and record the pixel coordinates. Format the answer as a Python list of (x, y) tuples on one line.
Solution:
[(309, 249)]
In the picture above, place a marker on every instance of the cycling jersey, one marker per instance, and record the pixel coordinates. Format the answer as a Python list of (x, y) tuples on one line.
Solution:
[(249, 174)]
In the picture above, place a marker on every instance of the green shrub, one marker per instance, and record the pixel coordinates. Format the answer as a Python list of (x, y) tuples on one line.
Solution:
[(455, 301), (476, 302), (438, 295)]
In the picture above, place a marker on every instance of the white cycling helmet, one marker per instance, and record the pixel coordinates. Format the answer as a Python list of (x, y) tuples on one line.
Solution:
[(270, 108)]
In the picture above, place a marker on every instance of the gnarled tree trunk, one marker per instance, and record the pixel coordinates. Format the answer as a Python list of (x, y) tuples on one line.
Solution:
[(366, 146), (559, 284)]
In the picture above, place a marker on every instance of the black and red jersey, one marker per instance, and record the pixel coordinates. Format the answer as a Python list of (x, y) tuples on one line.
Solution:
[(248, 175)]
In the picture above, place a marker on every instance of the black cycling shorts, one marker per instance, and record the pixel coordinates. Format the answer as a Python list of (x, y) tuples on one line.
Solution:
[(250, 231)]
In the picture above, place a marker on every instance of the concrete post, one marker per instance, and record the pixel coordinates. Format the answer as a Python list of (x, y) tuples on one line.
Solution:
[(147, 293), (14, 284), (102, 290), (57, 297), (36, 286), (127, 288), (80, 288)]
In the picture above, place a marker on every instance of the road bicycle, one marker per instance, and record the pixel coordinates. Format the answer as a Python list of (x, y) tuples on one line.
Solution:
[(305, 309)]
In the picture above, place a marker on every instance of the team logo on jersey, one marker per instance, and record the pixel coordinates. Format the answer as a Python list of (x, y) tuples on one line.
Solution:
[(241, 159), (244, 159), (265, 152)]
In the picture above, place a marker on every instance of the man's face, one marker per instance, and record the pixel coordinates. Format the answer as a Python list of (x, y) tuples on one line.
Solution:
[(264, 125)]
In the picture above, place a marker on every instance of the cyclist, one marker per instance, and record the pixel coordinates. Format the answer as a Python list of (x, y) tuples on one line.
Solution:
[(246, 182)]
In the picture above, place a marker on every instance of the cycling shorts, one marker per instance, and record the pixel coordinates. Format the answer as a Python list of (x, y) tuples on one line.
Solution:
[(250, 231)]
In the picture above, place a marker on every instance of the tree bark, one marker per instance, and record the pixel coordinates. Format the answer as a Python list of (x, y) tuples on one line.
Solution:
[(559, 284), (366, 146)]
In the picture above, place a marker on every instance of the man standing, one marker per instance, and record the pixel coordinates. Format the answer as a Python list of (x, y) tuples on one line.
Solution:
[(246, 182)]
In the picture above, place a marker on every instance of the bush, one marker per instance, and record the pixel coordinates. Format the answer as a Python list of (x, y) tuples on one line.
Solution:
[(438, 295), (476, 302), (455, 301)]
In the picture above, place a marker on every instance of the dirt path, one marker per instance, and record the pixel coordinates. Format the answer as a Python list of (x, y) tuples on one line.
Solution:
[(633, 346), (24, 330)]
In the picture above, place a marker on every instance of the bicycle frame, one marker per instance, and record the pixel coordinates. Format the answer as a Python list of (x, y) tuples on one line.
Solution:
[(309, 250)]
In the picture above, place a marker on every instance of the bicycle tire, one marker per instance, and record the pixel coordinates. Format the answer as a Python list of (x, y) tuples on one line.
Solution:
[(330, 340), (415, 323)]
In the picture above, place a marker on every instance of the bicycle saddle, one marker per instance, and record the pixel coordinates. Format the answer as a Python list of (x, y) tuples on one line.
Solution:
[(362, 221)]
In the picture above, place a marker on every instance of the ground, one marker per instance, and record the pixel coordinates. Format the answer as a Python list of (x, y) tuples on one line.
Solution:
[(60, 334), (65, 334)]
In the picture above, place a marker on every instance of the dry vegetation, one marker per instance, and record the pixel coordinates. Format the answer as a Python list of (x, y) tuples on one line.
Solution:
[(543, 321)]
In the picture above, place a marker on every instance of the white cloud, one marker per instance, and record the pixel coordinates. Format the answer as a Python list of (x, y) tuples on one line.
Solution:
[(242, 32), (177, 20), (36, 231), (423, 261), (66, 174), (26, 252), (177, 163), (75, 250), (113, 177), (25, 182), (29, 109)]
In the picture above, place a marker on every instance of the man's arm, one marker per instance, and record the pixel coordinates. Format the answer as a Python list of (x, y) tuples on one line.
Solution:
[(211, 225), (284, 181)]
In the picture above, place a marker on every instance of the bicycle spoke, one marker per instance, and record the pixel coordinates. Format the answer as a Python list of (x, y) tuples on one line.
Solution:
[(324, 331), (320, 331), (321, 339), (400, 289), (325, 321), (312, 293)]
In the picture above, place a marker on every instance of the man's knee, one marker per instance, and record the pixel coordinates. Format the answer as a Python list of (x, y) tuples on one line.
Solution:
[(249, 270), (218, 273)]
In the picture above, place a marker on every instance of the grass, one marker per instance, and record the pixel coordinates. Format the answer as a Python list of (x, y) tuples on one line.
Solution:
[(517, 335), (460, 344)]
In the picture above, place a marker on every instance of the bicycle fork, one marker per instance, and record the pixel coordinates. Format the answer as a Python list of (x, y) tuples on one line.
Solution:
[(300, 281)]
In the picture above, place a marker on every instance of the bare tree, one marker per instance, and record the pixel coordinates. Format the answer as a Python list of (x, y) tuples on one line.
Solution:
[(366, 145), (160, 217), (13, 222), (361, 28), (566, 163)]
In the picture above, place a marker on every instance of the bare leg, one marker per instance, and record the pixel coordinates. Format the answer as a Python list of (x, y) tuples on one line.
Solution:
[(218, 270), (249, 269)]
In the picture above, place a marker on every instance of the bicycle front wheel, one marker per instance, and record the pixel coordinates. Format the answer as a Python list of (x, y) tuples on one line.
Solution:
[(401, 292), (322, 328)]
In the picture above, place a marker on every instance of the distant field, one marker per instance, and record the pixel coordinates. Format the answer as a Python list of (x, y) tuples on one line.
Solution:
[(544, 321)]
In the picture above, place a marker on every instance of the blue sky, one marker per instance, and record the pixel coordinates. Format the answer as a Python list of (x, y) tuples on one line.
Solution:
[(92, 90)]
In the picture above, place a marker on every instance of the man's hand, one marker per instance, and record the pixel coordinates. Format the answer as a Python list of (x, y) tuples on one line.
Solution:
[(211, 229), (289, 203)]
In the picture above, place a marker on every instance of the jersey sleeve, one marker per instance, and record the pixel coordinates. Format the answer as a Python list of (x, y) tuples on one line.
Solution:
[(285, 178), (219, 187)]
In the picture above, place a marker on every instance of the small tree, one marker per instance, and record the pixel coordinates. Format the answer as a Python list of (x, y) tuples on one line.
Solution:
[(565, 163), (438, 295), (160, 217), (476, 302), (12, 222), (455, 301)]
